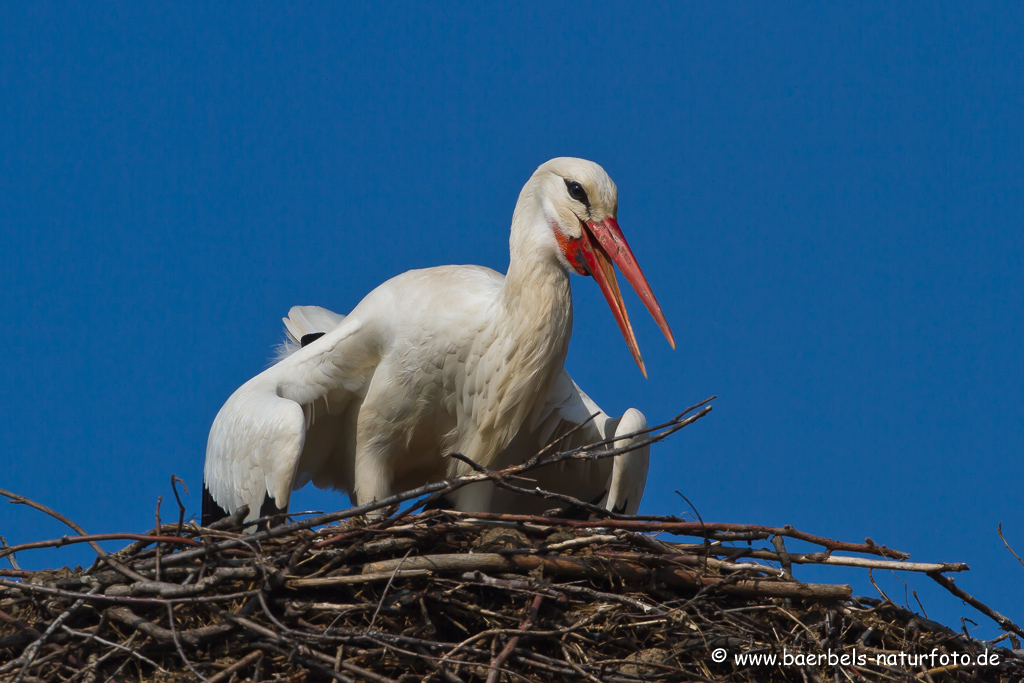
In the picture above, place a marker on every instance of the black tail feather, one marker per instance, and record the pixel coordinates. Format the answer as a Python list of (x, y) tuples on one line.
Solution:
[(269, 508), (212, 512)]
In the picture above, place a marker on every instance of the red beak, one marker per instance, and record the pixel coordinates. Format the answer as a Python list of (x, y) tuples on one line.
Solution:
[(602, 244)]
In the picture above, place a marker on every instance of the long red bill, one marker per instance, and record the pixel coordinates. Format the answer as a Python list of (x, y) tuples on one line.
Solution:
[(601, 245)]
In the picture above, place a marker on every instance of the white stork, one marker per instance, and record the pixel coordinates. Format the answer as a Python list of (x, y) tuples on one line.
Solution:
[(452, 359)]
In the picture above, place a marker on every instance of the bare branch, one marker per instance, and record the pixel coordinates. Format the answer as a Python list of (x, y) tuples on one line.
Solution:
[(999, 530), (1004, 622)]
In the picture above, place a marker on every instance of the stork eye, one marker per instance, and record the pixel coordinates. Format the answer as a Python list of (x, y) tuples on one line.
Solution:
[(577, 192)]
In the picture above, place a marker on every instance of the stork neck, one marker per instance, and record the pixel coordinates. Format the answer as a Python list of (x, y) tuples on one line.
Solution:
[(532, 277), (534, 268), (537, 297)]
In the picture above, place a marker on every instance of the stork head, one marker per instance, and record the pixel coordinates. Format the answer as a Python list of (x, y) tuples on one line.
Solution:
[(579, 203)]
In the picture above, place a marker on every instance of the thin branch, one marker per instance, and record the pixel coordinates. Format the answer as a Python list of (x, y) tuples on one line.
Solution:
[(22, 500), (181, 507), (834, 560), (245, 661), (498, 662), (181, 651), (92, 538), (89, 637), (1004, 622), (384, 593), (8, 552), (999, 530), (156, 570)]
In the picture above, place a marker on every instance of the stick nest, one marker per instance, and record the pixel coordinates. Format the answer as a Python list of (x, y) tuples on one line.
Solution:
[(444, 596)]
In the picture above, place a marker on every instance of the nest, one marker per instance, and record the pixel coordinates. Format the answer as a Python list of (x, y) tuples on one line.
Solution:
[(450, 596), (445, 596)]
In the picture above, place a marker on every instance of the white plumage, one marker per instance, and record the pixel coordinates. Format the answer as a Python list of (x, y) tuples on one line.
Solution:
[(442, 360)]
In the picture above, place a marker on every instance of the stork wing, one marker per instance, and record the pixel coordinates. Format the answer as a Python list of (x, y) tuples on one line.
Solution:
[(261, 443), (616, 483)]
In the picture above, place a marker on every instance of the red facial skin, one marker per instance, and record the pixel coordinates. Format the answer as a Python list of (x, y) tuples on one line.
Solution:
[(593, 253), (573, 250)]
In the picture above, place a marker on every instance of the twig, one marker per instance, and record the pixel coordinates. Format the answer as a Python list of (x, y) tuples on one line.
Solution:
[(95, 663), (9, 554), (181, 507), (92, 538), (1004, 622), (923, 610), (93, 637), (495, 669), (707, 541), (192, 636), (22, 500), (245, 661), (181, 651), (784, 559), (156, 571), (384, 593), (835, 560), (871, 578), (999, 530), (553, 446), (120, 600)]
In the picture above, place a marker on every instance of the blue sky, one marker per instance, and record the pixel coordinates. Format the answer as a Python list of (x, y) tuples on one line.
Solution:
[(827, 201)]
